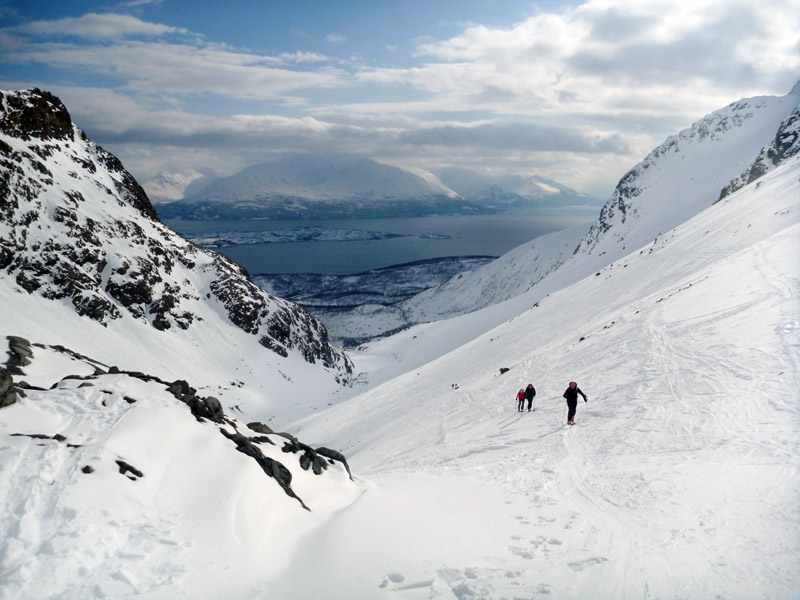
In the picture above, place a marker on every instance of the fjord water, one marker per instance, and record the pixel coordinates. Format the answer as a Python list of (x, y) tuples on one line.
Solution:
[(478, 235)]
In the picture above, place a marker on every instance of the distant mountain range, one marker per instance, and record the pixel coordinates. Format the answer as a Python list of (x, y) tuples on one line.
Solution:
[(318, 186)]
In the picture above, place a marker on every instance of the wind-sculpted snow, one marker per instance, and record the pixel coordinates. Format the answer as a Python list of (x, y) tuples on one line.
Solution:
[(76, 229), (117, 484)]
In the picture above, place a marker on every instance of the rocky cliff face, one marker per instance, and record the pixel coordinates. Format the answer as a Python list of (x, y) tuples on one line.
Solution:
[(785, 145), (76, 228)]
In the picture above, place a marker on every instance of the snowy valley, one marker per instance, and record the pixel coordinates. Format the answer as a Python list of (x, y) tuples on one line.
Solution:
[(676, 312)]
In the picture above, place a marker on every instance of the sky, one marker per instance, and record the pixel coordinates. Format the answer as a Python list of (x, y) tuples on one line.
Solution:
[(575, 91)]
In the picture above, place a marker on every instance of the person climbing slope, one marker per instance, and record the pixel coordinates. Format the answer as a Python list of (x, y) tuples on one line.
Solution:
[(530, 392), (520, 400), (572, 400)]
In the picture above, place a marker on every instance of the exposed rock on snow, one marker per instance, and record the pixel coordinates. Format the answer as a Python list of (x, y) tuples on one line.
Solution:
[(8, 394), (202, 408)]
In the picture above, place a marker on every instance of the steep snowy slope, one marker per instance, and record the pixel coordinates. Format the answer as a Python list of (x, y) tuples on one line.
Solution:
[(680, 478), (316, 185), (675, 181), (84, 262), (118, 485)]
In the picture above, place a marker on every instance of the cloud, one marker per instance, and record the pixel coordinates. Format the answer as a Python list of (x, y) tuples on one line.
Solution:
[(137, 3), (335, 38), (518, 136), (98, 26), (622, 58), (183, 68)]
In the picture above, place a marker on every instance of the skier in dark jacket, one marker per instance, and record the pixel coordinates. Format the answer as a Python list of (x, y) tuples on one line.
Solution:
[(572, 400), (530, 392)]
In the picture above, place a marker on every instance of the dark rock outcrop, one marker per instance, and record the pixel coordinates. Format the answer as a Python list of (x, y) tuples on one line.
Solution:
[(8, 395), (784, 146)]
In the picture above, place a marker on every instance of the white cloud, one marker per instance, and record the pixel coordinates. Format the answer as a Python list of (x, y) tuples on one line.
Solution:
[(160, 67), (624, 59), (335, 38), (98, 26)]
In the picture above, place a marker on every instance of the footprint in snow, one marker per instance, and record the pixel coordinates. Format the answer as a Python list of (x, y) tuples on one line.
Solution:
[(580, 565), (392, 577)]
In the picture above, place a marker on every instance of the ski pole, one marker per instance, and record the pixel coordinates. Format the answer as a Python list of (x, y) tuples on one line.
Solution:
[(564, 414)]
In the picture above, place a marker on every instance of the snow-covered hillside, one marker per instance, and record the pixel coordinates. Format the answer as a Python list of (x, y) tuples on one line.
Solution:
[(84, 262), (317, 186), (680, 478), (677, 180)]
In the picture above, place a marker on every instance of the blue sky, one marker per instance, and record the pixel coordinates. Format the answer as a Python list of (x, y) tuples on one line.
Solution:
[(575, 91)]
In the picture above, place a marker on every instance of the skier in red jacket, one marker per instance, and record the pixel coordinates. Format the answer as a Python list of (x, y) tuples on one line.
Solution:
[(520, 400)]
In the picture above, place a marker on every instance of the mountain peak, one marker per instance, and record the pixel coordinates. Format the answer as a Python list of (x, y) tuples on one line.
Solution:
[(35, 114)]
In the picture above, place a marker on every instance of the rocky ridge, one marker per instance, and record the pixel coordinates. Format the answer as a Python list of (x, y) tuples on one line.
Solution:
[(111, 379)]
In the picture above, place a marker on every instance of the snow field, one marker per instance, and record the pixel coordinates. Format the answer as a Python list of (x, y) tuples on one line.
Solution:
[(203, 520), (680, 478)]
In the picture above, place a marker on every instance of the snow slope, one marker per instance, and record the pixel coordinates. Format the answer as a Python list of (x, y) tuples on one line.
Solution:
[(84, 262), (680, 478), (113, 489), (676, 181)]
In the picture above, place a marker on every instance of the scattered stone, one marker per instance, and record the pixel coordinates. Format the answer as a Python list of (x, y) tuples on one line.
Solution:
[(504, 370), (126, 468), (335, 455), (259, 427), (87, 469)]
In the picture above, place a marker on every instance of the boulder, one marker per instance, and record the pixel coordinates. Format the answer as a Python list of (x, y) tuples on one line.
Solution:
[(8, 395)]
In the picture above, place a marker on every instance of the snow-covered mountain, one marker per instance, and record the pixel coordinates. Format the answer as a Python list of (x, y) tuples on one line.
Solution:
[(169, 186), (677, 180), (82, 249), (679, 480), (318, 186), (511, 190)]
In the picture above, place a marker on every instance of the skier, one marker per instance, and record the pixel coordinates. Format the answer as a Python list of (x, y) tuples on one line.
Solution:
[(572, 400), (520, 400), (530, 392)]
